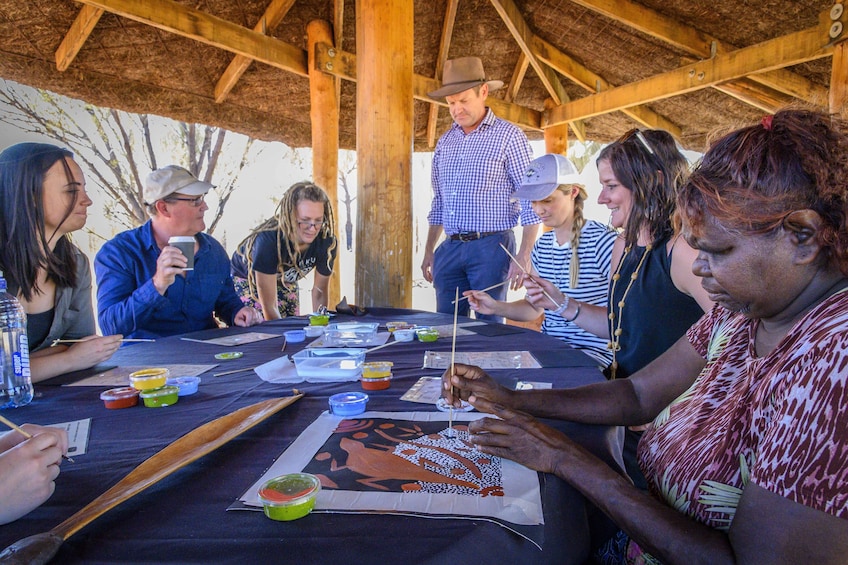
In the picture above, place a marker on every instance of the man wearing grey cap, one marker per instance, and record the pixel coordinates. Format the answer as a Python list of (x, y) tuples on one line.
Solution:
[(477, 166), (144, 288)]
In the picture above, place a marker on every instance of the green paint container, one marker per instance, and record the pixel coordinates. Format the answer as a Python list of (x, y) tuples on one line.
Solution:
[(289, 497)]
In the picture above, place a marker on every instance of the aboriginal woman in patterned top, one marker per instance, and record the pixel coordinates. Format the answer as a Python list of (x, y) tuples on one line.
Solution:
[(747, 458), (284, 249), (574, 255)]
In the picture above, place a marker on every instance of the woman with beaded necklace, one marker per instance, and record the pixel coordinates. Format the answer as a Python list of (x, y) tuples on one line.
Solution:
[(654, 296)]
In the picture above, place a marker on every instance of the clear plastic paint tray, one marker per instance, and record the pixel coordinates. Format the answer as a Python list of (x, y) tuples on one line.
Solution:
[(349, 334), (329, 364)]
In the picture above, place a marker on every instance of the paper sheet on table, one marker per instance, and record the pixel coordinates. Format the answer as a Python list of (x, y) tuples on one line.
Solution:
[(519, 499), (482, 359), (238, 339), (78, 431), (120, 376), (279, 370)]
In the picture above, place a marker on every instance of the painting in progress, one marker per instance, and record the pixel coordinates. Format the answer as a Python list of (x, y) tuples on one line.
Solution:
[(408, 462)]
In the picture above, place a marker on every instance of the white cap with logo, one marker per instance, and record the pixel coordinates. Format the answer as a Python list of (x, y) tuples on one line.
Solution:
[(544, 174)]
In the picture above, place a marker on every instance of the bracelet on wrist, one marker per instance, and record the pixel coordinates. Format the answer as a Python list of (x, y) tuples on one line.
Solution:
[(561, 308), (577, 313)]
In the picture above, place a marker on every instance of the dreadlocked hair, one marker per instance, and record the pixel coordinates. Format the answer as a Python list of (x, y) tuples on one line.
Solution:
[(285, 221)]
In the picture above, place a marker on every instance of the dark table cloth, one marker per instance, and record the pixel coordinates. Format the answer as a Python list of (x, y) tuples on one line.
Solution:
[(183, 519)]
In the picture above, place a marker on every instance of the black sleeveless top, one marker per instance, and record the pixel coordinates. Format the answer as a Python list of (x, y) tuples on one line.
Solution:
[(655, 313), (38, 327)]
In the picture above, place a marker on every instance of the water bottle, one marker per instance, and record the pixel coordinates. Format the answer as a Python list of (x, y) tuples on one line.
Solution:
[(16, 389)]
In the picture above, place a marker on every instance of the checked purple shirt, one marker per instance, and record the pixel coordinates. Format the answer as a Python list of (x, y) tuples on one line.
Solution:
[(474, 176)]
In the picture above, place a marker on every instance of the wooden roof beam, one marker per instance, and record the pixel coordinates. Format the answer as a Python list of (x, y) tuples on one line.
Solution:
[(700, 44), (755, 94), (523, 35), (595, 83), (77, 36), (274, 14), (444, 48), (517, 77), (343, 64), (792, 49), (181, 20)]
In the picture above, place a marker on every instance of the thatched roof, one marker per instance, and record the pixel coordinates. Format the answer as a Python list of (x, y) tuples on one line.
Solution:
[(132, 65)]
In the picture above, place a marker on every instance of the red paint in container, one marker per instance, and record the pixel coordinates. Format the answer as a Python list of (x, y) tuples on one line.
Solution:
[(123, 397)]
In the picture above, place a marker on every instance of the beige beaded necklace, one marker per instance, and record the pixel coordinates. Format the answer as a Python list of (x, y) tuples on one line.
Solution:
[(615, 321)]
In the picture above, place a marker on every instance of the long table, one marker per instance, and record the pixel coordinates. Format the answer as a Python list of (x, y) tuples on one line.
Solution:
[(183, 519)]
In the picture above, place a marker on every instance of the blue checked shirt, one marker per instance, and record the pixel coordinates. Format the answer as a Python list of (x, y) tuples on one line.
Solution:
[(474, 176)]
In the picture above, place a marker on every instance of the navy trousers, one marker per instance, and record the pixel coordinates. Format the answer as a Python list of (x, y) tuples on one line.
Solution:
[(471, 265)]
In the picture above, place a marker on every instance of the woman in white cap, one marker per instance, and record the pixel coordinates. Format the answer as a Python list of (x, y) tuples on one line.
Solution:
[(574, 255)]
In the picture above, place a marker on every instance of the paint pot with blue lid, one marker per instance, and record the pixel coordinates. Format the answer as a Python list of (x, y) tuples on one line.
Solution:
[(185, 385), (348, 403)]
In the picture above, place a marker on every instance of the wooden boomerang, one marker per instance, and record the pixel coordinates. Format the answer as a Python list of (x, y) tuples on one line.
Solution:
[(40, 548)]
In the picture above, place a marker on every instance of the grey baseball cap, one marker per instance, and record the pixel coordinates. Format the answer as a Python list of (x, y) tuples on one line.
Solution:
[(164, 182), (544, 174)]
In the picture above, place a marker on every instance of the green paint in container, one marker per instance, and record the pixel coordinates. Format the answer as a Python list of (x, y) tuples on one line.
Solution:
[(289, 497)]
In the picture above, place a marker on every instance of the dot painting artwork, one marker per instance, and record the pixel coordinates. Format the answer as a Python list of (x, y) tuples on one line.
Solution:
[(407, 457), (407, 462)]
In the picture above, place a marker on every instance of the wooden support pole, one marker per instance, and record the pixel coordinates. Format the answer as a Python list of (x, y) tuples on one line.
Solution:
[(838, 97), (324, 116), (384, 137), (556, 137)]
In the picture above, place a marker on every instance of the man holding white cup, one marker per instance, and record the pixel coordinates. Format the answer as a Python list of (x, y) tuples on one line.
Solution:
[(149, 287)]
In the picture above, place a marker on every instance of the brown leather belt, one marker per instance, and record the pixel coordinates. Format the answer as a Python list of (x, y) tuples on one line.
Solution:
[(472, 235)]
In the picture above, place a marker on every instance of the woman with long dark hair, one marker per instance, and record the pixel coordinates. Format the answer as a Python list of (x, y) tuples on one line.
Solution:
[(42, 201)]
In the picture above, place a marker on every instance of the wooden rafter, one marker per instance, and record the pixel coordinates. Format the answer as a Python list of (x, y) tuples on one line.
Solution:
[(188, 22), (77, 35), (523, 35), (517, 77), (792, 49), (274, 14), (757, 95), (702, 45), (592, 82), (444, 47)]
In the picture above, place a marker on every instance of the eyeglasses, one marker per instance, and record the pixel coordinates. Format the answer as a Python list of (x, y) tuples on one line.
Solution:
[(196, 201), (637, 133), (312, 225)]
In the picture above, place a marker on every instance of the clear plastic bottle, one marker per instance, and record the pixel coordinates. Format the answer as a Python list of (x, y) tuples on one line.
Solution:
[(16, 389)]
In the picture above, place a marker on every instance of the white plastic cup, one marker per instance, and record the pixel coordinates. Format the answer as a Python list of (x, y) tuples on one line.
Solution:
[(185, 243)]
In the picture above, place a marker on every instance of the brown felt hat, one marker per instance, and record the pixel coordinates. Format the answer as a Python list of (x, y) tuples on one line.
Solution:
[(461, 74)]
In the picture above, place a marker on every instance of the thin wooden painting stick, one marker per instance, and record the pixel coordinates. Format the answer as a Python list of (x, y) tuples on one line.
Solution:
[(453, 356), (520, 266), (25, 433), (131, 340), (484, 290), (233, 372)]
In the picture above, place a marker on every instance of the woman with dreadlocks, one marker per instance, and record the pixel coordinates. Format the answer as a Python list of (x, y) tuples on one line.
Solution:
[(284, 249), (574, 255)]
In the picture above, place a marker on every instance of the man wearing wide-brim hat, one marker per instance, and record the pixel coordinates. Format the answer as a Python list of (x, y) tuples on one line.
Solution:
[(145, 287), (477, 165)]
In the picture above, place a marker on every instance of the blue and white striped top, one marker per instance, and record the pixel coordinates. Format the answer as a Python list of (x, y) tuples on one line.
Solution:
[(552, 262), (474, 176)]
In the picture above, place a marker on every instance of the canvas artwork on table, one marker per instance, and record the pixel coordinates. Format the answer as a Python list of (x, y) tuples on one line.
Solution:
[(408, 462)]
